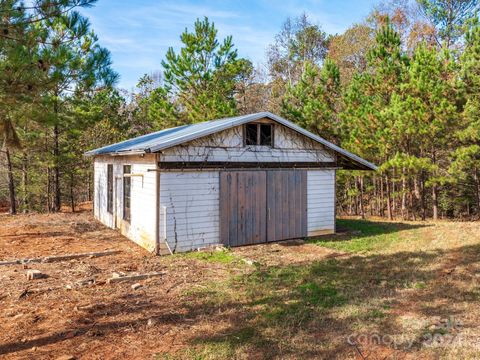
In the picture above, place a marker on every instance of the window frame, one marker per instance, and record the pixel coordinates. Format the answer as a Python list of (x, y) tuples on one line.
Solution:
[(259, 134), (127, 210), (245, 137), (110, 188)]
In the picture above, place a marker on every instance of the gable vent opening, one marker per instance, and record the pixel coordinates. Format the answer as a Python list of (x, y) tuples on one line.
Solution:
[(259, 134)]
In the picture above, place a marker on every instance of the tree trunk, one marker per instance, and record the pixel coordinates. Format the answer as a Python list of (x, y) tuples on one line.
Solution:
[(417, 192), (389, 199), (89, 187), (434, 192), (72, 197), (56, 170), (25, 201), (372, 204), (377, 197), (404, 194), (382, 207), (424, 205), (362, 208), (477, 187), (411, 199), (11, 184), (349, 197), (49, 205), (393, 192), (356, 196), (435, 202)]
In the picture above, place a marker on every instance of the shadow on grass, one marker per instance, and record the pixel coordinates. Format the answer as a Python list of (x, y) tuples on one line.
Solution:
[(310, 310), (294, 311), (369, 228), (363, 235)]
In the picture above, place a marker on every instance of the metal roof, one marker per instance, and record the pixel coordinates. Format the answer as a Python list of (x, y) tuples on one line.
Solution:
[(167, 138)]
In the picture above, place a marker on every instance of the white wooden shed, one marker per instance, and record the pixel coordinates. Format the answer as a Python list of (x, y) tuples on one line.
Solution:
[(236, 181)]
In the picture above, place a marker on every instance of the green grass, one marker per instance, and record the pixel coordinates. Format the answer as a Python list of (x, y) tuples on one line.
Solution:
[(217, 256), (325, 296), (297, 309), (363, 236), (223, 346), (375, 314), (294, 294)]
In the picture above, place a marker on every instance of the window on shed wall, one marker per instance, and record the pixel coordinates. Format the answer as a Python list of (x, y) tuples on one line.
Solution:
[(127, 185), (251, 134), (266, 131), (110, 188), (259, 134)]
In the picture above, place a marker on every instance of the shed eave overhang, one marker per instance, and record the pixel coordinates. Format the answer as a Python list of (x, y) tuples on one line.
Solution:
[(364, 164), (116, 153), (352, 161)]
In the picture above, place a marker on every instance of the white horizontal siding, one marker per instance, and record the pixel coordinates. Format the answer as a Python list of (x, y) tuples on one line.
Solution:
[(100, 192), (191, 199), (320, 200), (141, 227), (192, 202)]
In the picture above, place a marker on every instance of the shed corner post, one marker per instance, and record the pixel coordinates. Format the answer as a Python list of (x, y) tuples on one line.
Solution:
[(335, 201), (157, 206), (94, 188)]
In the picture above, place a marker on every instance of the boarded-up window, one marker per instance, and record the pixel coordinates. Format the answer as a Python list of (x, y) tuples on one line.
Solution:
[(127, 184), (259, 134), (110, 188)]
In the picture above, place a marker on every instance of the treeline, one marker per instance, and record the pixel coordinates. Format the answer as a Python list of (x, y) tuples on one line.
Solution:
[(53, 74), (400, 89)]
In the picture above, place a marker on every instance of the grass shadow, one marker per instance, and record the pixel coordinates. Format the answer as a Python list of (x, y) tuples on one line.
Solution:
[(311, 310), (363, 235)]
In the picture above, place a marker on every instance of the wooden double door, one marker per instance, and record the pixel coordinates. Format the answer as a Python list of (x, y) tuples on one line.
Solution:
[(262, 205)]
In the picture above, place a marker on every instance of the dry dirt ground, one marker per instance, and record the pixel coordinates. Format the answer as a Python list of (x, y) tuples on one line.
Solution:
[(259, 302)]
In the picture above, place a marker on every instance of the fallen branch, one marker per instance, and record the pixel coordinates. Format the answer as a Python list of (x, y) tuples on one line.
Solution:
[(27, 292), (117, 279), (81, 283), (53, 258)]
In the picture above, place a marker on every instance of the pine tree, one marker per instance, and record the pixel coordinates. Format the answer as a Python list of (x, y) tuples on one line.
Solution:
[(23, 68), (17, 80), (75, 63), (47, 53), (423, 116), (200, 80), (449, 17), (367, 101), (466, 165), (313, 102)]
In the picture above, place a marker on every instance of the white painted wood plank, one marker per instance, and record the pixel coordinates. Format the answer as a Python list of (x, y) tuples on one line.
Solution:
[(320, 200), (141, 228), (192, 203)]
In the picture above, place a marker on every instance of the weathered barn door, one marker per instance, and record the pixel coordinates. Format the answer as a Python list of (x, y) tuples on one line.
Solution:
[(286, 204), (261, 206), (243, 207)]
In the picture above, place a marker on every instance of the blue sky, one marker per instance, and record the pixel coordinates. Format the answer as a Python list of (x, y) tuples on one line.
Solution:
[(139, 32)]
